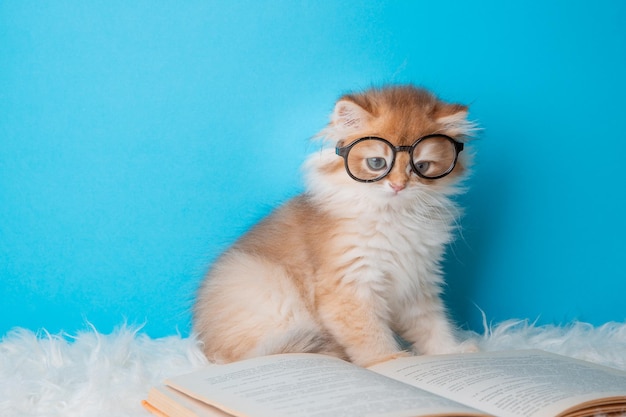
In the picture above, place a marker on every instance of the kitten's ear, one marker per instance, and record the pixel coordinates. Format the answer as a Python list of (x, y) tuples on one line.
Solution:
[(453, 118), (349, 116)]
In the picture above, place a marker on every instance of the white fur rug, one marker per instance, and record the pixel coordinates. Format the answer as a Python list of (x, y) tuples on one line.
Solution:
[(92, 374)]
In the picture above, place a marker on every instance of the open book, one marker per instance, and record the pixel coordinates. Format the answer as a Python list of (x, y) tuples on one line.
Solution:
[(528, 383)]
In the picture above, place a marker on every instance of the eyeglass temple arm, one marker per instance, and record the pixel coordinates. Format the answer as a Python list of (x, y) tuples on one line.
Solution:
[(341, 150)]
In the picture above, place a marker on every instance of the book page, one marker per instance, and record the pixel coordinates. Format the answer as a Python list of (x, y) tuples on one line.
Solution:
[(172, 403), (309, 385), (510, 384)]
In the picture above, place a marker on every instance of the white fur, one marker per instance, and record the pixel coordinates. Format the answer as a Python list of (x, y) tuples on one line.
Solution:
[(94, 374), (458, 125)]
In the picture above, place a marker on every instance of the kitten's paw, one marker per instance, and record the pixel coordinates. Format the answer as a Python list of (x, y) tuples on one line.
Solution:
[(467, 346), (401, 354)]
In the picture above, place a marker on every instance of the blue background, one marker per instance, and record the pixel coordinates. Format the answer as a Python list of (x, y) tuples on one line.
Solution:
[(139, 138)]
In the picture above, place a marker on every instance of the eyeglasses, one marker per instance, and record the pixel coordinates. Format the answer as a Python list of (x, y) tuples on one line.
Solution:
[(371, 158)]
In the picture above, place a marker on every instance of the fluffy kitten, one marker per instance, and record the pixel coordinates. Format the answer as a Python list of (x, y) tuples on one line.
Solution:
[(348, 264)]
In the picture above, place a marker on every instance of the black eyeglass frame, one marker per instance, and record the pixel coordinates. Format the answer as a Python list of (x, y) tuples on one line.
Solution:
[(344, 150)]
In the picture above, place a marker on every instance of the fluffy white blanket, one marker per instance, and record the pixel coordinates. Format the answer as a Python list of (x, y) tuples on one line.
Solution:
[(93, 374)]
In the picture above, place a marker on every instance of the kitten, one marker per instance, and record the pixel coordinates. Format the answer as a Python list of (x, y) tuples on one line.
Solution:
[(355, 260)]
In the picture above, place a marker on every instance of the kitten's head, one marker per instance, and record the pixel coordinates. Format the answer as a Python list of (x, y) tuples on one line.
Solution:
[(400, 115)]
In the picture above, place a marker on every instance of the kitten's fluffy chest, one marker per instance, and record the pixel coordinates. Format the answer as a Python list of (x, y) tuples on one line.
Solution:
[(395, 251)]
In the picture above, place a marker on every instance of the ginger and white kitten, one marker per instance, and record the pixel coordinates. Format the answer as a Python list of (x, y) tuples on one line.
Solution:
[(345, 266)]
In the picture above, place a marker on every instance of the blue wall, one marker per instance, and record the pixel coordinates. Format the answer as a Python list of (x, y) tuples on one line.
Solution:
[(138, 139)]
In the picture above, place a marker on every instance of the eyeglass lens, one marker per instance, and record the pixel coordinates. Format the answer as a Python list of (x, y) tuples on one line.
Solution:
[(434, 156), (371, 159)]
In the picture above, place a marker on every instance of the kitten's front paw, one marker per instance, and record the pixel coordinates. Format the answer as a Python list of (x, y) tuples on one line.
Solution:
[(467, 346), (401, 354)]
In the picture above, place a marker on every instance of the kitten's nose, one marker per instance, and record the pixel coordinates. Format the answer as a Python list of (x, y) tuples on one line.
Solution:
[(397, 187)]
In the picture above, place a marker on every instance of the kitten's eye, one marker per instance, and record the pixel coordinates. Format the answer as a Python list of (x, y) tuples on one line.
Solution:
[(422, 166), (376, 164)]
